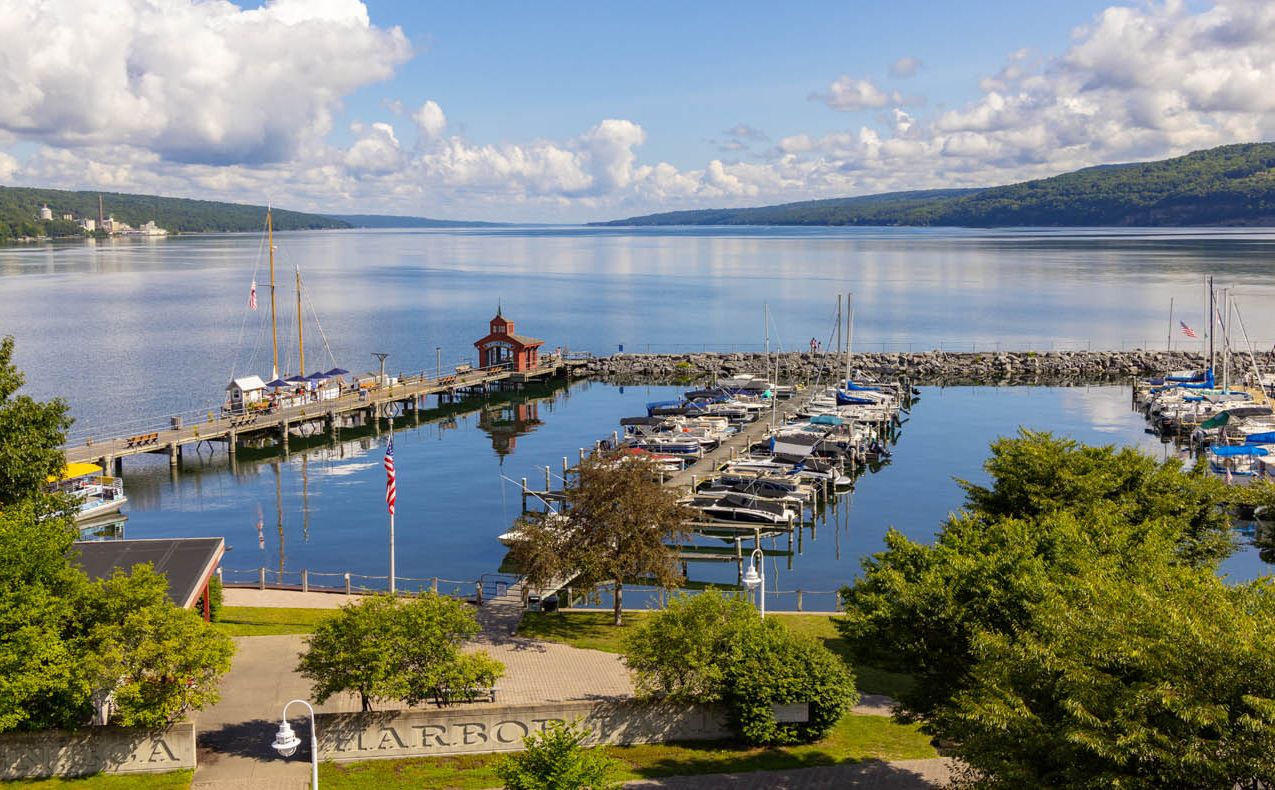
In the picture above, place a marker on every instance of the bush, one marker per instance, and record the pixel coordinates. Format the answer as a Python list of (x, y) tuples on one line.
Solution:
[(707, 648), (773, 666), (215, 596), (555, 760)]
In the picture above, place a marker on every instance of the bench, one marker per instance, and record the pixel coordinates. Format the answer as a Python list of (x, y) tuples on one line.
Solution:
[(448, 696), (142, 439)]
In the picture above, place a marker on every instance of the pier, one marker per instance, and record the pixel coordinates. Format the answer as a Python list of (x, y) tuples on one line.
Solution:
[(353, 408)]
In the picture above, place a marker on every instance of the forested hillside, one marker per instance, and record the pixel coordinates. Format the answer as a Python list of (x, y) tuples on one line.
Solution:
[(1230, 185), (19, 209)]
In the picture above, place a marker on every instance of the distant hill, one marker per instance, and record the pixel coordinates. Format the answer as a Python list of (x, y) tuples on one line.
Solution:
[(19, 211), (1229, 185), (393, 221)]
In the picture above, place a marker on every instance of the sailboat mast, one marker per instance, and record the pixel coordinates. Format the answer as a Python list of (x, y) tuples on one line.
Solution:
[(849, 330), (274, 321), (300, 333), (1212, 321), (765, 308)]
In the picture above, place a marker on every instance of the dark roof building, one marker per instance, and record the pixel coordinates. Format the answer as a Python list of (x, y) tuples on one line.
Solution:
[(187, 563), (501, 347)]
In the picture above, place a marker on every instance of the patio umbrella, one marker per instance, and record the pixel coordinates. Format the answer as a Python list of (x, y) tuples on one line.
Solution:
[(317, 376), (296, 380), (277, 383), (336, 372)]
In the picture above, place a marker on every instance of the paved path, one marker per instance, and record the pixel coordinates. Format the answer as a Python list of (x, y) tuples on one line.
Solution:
[(234, 735)]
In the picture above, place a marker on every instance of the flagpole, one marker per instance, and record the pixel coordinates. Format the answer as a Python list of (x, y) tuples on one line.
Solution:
[(1170, 345), (392, 590)]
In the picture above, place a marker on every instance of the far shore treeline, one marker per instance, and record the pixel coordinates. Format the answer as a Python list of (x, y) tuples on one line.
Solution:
[(1230, 185)]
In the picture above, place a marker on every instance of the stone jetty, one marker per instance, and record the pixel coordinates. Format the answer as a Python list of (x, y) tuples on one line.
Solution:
[(921, 368)]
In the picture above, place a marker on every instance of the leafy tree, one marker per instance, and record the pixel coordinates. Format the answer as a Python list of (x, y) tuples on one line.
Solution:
[(1054, 511), (679, 654), (556, 759), (615, 526), (387, 648), (155, 660), (1169, 684), (32, 434)]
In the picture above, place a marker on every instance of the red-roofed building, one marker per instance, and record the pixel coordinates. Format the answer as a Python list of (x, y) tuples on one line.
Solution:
[(502, 347)]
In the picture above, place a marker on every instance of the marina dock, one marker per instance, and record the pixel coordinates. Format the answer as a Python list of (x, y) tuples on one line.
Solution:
[(356, 408)]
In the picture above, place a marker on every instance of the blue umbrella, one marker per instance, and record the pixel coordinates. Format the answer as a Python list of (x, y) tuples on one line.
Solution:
[(296, 379), (336, 372), (317, 376), (277, 383)]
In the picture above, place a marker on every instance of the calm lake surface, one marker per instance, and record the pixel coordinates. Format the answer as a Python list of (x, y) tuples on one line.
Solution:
[(131, 332)]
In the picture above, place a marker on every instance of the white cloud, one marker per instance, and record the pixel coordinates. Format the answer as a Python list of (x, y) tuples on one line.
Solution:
[(904, 68), (849, 94), (430, 120), (375, 152), (196, 82)]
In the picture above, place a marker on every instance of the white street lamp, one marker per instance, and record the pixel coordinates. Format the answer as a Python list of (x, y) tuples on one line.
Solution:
[(753, 580), (286, 741)]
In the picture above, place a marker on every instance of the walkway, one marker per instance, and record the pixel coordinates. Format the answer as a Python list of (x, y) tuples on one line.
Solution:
[(235, 734)]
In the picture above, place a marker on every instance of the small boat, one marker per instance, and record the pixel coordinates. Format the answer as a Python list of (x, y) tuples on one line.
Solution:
[(94, 492)]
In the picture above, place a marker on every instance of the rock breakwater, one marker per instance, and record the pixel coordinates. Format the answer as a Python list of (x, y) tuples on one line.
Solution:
[(922, 368)]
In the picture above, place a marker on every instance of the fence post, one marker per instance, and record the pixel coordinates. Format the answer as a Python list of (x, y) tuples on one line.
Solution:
[(799, 600), (261, 578), (478, 586), (347, 584), (305, 580), (569, 597), (433, 585)]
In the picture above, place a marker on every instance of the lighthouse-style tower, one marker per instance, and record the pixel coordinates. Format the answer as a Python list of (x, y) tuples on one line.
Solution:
[(501, 347)]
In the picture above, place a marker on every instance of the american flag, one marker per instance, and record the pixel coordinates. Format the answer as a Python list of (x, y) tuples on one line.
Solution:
[(391, 491), (252, 296), (1186, 330)]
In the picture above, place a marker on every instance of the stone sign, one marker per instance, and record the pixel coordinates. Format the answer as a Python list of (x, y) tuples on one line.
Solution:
[(459, 730), (793, 712), (112, 750)]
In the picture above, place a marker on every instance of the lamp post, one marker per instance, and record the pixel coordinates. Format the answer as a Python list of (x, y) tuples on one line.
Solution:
[(753, 579), (438, 362), (286, 741), (381, 355)]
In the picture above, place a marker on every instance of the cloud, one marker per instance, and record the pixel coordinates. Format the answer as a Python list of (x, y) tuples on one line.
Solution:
[(430, 120), (849, 94), (906, 67), (194, 82)]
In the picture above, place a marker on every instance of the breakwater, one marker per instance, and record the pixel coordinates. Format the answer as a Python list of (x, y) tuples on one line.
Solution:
[(922, 368)]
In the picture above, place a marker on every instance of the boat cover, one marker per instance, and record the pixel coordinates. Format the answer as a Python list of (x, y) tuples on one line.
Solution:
[(1240, 450), (1267, 437)]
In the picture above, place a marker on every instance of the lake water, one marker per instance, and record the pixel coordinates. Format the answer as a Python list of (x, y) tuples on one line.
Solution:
[(133, 331)]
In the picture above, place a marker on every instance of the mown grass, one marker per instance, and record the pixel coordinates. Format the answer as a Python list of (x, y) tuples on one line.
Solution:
[(593, 630), (855, 739), (269, 620), (173, 780)]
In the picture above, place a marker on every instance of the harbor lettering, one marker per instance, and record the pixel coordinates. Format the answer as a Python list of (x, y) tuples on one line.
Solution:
[(390, 739), (503, 734), (434, 731), (473, 733)]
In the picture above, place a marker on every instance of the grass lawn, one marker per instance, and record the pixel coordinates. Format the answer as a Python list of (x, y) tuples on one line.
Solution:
[(856, 738), (594, 630), (269, 620), (173, 780)]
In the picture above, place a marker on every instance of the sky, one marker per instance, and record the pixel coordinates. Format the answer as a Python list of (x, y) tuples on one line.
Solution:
[(570, 112)]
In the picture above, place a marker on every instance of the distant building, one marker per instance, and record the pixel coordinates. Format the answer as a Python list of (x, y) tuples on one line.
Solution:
[(502, 348), (151, 229), (69, 217), (46, 212), (89, 225)]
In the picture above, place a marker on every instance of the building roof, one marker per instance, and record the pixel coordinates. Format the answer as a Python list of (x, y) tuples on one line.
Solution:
[(187, 563), (248, 383), (526, 341)]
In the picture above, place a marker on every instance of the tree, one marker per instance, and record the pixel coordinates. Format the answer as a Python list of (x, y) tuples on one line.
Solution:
[(387, 648), (707, 648), (555, 759), (616, 522), (33, 432), (679, 654), (154, 660)]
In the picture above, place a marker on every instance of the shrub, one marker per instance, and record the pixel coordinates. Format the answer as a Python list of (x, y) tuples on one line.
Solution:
[(773, 666), (555, 760), (679, 654), (215, 596)]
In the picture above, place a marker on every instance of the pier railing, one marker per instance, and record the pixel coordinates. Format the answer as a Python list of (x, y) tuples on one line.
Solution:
[(361, 583), (656, 598)]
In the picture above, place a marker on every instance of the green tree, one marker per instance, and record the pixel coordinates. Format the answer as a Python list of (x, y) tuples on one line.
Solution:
[(679, 654), (154, 660), (386, 648), (616, 523), (556, 759), (31, 434)]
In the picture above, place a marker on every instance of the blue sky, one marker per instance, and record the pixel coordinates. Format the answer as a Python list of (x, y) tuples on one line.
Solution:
[(565, 112)]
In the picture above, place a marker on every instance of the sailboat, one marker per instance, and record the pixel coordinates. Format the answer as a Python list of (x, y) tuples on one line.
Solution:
[(249, 394)]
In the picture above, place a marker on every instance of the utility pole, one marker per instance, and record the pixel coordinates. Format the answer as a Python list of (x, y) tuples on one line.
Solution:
[(381, 355), (438, 362)]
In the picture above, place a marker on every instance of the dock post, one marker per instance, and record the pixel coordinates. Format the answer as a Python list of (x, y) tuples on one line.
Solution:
[(548, 481), (565, 469), (283, 435), (347, 584), (799, 600), (232, 442), (524, 495), (694, 483), (478, 591), (305, 580), (581, 455), (433, 585), (174, 452), (261, 578), (615, 438)]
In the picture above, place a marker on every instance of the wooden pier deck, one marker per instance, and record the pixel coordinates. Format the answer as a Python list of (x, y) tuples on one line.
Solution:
[(355, 408), (738, 444)]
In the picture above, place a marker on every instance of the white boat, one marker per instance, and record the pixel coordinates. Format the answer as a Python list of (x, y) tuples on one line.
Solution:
[(93, 492)]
